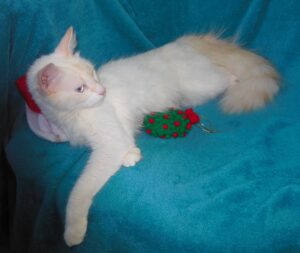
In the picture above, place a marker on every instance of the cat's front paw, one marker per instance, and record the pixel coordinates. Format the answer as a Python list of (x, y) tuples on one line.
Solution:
[(75, 232), (132, 157)]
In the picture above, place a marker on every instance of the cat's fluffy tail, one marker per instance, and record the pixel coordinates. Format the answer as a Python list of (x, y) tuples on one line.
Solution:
[(256, 80)]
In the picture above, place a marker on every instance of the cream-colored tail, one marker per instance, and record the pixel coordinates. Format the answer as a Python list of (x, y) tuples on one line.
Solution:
[(256, 80)]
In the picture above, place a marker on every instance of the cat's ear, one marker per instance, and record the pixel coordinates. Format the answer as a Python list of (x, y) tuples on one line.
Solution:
[(67, 44), (47, 78)]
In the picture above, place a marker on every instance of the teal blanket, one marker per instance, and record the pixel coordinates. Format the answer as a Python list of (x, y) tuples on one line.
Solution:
[(234, 191)]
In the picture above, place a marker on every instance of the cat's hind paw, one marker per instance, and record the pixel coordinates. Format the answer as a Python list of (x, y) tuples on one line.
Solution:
[(74, 233), (132, 157)]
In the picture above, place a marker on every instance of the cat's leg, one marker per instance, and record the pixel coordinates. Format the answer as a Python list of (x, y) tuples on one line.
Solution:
[(104, 161), (134, 155), (101, 166)]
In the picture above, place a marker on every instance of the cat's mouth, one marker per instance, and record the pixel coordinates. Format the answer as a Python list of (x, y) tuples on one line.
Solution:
[(102, 93)]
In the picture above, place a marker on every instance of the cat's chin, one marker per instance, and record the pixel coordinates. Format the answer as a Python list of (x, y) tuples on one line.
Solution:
[(94, 102)]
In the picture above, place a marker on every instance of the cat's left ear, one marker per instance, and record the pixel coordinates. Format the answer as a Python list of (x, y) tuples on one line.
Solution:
[(47, 78), (67, 44)]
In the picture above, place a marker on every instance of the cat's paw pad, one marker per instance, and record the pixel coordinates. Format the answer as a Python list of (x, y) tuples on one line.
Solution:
[(75, 232), (132, 157)]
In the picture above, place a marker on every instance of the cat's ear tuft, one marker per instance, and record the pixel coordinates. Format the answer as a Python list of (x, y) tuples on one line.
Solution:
[(47, 77), (67, 44)]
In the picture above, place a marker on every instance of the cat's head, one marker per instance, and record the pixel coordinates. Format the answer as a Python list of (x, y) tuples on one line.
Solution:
[(64, 80)]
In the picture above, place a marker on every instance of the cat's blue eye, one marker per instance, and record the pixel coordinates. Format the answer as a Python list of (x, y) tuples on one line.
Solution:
[(81, 88)]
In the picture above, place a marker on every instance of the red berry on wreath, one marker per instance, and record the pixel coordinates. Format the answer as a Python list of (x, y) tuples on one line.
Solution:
[(151, 120), (177, 123)]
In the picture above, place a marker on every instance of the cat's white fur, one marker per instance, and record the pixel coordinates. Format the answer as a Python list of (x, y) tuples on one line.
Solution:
[(187, 72)]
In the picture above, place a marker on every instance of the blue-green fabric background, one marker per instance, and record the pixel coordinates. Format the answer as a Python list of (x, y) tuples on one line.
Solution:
[(234, 191)]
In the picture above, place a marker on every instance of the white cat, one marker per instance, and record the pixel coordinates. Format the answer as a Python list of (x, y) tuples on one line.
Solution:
[(104, 110)]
